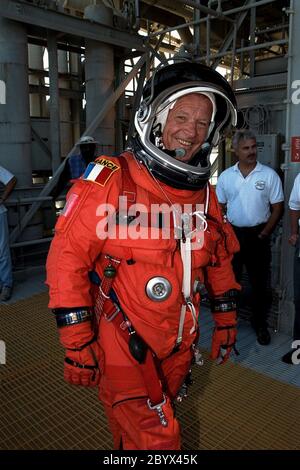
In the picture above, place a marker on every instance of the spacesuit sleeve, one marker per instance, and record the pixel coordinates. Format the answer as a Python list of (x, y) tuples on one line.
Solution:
[(220, 277), (78, 243)]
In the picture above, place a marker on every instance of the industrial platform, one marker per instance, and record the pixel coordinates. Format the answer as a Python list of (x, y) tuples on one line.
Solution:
[(252, 402)]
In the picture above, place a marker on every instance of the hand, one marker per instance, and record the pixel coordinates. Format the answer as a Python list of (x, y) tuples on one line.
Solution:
[(81, 367), (82, 354), (224, 336), (293, 239)]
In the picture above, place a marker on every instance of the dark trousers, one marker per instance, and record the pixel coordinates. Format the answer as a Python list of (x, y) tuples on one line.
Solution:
[(255, 255), (296, 334)]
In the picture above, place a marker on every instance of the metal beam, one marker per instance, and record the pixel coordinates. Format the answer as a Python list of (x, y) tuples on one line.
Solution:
[(206, 10), (67, 93), (176, 28), (196, 37), (67, 24), (230, 36), (264, 45), (252, 40), (137, 99), (54, 101), (139, 91), (61, 46), (42, 144), (247, 7), (273, 80), (158, 55)]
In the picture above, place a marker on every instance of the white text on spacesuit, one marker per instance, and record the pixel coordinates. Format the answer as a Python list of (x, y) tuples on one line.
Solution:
[(161, 221)]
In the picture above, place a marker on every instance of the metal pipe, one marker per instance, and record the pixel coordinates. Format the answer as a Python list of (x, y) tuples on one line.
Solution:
[(233, 10), (239, 19), (208, 40), (208, 11), (247, 7), (279, 42), (233, 53), (252, 40), (177, 27), (197, 30), (99, 79), (225, 13), (137, 98), (288, 100), (137, 15), (271, 30), (242, 58), (54, 101)]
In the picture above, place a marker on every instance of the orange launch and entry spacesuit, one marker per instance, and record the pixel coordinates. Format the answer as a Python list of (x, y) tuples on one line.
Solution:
[(139, 261)]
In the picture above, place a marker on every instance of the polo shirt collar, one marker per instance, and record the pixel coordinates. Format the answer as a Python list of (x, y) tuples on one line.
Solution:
[(258, 167)]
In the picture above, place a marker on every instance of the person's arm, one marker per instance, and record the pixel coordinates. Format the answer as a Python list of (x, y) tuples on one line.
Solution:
[(8, 189), (294, 223), (222, 287), (276, 214)]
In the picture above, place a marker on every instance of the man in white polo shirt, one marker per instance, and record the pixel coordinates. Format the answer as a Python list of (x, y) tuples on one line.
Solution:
[(294, 205), (6, 281), (252, 196)]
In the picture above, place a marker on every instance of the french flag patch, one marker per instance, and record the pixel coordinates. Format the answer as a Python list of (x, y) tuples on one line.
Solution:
[(100, 171)]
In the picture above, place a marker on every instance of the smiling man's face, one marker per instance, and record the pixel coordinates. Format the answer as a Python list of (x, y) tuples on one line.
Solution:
[(246, 152), (187, 124)]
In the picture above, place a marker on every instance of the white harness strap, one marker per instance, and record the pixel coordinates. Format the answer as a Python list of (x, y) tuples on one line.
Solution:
[(186, 257)]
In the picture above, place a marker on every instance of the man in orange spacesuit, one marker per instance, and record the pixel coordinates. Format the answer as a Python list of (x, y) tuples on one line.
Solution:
[(139, 237)]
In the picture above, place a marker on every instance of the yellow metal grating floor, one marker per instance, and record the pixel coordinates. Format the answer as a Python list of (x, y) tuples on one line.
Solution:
[(229, 407)]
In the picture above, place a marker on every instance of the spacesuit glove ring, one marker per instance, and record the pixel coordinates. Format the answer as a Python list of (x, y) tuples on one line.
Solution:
[(81, 367), (223, 341)]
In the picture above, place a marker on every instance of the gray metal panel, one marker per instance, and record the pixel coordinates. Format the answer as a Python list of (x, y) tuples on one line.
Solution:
[(262, 81), (272, 65), (268, 149), (251, 98), (69, 25)]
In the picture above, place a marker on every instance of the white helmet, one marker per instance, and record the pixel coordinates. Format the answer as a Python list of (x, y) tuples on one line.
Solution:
[(166, 85)]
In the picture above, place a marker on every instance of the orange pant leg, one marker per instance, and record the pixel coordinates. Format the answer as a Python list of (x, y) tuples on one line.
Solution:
[(124, 395), (136, 427)]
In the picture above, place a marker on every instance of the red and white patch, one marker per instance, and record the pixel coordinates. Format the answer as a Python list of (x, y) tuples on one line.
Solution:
[(71, 203), (100, 171)]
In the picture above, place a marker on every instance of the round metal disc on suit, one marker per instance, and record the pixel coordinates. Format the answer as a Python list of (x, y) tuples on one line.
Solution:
[(158, 289)]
